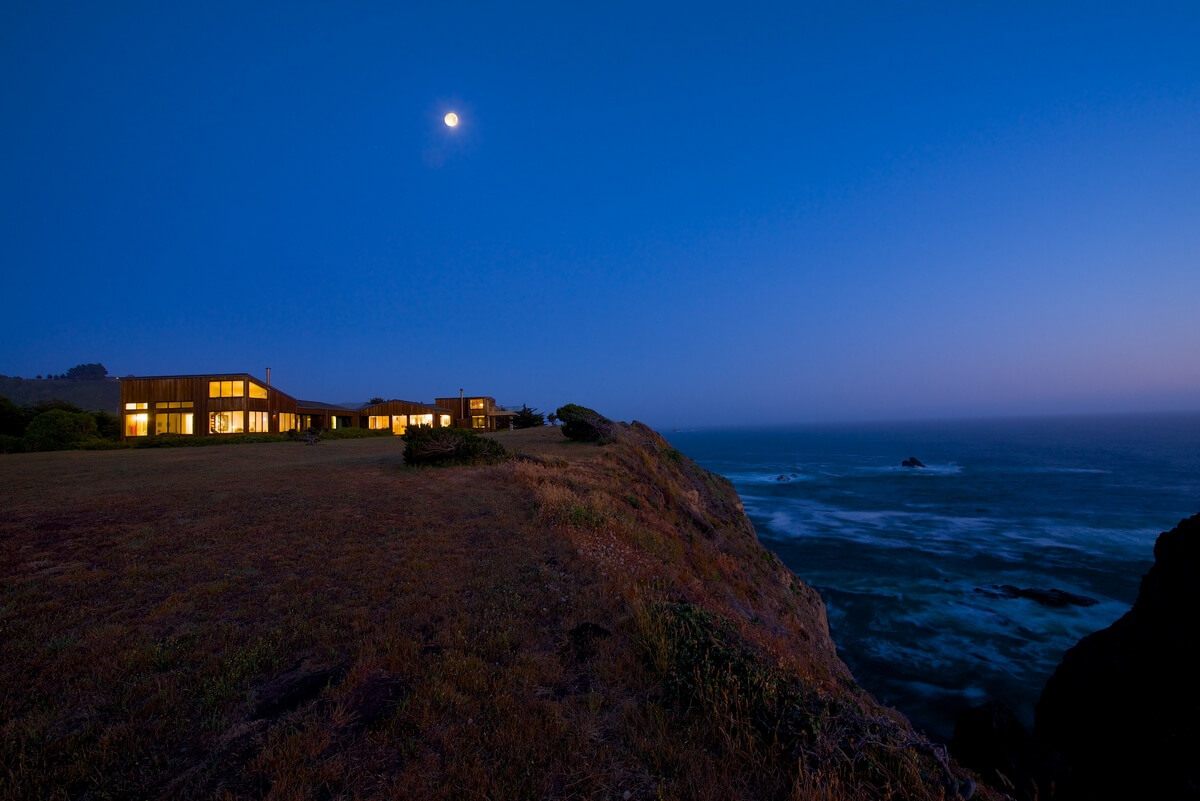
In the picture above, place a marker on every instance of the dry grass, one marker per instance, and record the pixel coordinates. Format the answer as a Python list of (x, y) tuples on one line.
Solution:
[(288, 621)]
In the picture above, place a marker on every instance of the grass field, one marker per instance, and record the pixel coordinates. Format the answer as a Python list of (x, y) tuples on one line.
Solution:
[(293, 621)]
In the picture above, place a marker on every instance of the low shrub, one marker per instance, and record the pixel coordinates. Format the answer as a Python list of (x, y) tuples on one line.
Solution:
[(584, 425), (451, 446), (186, 441), (354, 433), (59, 429)]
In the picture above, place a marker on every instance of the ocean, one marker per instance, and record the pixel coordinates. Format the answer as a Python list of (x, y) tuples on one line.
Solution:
[(901, 554)]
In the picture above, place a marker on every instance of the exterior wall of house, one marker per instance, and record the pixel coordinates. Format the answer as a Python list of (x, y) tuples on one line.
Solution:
[(327, 416), (203, 405), (476, 412), (399, 415)]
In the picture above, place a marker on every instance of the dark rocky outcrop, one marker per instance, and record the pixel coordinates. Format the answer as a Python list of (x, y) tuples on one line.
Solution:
[(1045, 597), (1119, 715), (912, 461)]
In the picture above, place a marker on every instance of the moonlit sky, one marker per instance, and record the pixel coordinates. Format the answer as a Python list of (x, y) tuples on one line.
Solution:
[(685, 213)]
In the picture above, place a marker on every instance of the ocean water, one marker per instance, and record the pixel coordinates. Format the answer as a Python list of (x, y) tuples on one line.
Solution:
[(899, 553)]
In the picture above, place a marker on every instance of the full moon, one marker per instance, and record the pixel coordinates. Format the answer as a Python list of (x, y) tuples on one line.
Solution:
[(451, 119)]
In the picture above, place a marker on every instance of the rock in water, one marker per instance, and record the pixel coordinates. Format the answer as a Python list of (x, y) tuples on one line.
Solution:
[(1119, 715), (911, 461), (1046, 597)]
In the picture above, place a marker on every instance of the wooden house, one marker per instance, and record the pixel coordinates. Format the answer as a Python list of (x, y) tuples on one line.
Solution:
[(203, 405), (398, 415), (477, 412), (238, 403)]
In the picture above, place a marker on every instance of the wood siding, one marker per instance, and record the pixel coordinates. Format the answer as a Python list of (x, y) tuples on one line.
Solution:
[(195, 389)]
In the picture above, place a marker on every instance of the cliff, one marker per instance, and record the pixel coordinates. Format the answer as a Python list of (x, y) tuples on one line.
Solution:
[(288, 621), (1119, 714)]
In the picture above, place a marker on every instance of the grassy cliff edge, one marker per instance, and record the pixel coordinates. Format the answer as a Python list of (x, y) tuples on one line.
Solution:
[(288, 621)]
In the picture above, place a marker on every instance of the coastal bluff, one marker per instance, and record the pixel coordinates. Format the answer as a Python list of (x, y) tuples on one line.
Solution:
[(278, 620)]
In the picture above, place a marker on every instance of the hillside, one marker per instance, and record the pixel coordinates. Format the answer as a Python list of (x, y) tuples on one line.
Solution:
[(296, 621), (88, 395)]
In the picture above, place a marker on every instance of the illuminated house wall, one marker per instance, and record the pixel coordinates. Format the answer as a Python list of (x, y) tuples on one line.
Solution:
[(203, 405), (238, 403), (477, 412), (399, 415)]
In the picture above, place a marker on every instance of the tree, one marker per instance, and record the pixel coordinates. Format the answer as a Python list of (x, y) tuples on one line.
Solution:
[(528, 418), (87, 372), (552, 419), (375, 400)]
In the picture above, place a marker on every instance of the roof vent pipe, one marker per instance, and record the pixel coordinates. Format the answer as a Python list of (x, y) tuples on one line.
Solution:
[(268, 376)]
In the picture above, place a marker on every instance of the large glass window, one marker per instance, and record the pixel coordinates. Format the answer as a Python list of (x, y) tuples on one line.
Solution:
[(137, 425), (477, 403), (173, 423), (259, 422), (225, 423), (420, 420), (287, 422), (227, 389), (399, 424), (445, 421), (378, 421), (256, 391), (479, 421)]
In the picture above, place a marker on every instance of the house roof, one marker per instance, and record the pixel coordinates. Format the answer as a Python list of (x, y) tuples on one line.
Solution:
[(329, 407), (429, 406)]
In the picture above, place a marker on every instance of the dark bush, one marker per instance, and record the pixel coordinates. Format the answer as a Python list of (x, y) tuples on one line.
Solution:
[(12, 421), (59, 429), (450, 446), (584, 424), (11, 444), (108, 425)]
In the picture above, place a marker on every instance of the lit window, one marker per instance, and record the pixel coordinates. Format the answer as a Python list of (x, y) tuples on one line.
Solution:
[(399, 424), (259, 422), (137, 425), (476, 403), (256, 391), (135, 406), (225, 423), (378, 421), (173, 423), (479, 421), (226, 389), (287, 422), (445, 421), (173, 405), (420, 420)]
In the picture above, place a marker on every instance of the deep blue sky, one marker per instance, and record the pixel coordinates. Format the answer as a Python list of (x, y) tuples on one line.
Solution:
[(685, 214)]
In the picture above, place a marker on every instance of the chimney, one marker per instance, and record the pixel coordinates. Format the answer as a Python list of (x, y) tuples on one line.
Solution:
[(268, 376), (462, 404)]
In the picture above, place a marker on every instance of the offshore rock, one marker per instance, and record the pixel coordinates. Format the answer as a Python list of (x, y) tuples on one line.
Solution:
[(1119, 715), (1046, 597), (912, 461)]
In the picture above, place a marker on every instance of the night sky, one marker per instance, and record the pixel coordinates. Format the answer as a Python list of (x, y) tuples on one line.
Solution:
[(687, 214)]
